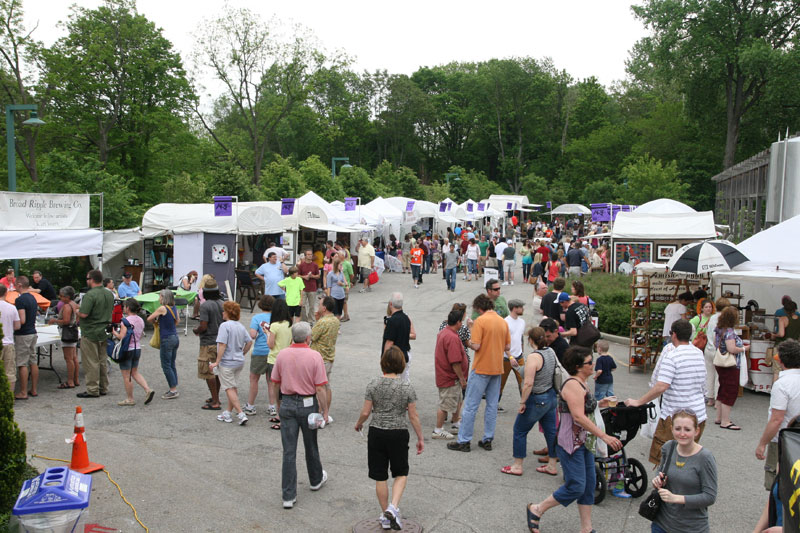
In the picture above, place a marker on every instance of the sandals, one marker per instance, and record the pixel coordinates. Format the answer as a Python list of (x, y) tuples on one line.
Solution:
[(275, 420), (731, 426), (275, 426), (507, 470), (533, 519), (544, 470), (65, 386), (209, 407), (126, 402)]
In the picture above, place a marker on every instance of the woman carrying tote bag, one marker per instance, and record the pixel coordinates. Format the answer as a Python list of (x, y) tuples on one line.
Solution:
[(729, 350)]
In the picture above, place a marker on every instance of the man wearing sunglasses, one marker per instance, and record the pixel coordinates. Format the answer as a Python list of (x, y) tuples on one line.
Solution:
[(493, 292)]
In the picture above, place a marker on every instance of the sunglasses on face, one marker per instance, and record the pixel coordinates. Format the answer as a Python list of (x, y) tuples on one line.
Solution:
[(589, 362), (495, 289)]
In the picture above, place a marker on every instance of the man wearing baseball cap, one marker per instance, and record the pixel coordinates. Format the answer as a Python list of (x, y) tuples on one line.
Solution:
[(128, 288)]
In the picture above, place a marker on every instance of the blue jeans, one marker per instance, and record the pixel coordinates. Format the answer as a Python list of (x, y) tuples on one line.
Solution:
[(538, 408), (500, 269), (526, 270), (603, 390), (416, 275), (472, 266), (579, 477), (294, 419), (169, 352), (450, 276), (477, 386), (655, 528)]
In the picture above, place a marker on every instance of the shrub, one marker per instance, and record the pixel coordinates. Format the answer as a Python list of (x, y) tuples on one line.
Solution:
[(612, 296), (12, 447)]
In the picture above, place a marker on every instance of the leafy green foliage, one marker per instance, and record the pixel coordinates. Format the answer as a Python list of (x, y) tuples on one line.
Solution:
[(357, 182), (612, 294), (318, 179), (280, 180), (12, 445), (646, 179)]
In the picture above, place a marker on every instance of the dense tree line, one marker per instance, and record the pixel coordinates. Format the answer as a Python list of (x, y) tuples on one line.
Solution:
[(712, 84)]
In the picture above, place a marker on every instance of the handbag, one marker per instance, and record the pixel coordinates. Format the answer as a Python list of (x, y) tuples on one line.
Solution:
[(69, 333), (155, 341), (587, 334), (651, 505), (724, 360), (701, 339)]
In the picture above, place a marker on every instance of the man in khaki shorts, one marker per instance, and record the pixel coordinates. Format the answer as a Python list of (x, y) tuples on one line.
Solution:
[(210, 319), (450, 361), (25, 340), (9, 318), (323, 339)]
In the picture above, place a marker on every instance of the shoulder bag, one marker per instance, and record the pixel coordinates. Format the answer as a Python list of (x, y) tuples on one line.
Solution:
[(724, 360), (155, 340), (587, 334), (69, 333), (651, 505), (701, 339)]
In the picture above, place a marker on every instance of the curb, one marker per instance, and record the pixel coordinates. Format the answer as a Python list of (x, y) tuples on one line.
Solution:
[(615, 338)]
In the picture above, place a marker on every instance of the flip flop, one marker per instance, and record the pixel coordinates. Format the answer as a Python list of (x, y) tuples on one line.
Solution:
[(544, 470), (507, 470), (275, 426), (20, 398), (275, 420), (209, 407), (533, 520), (34, 394), (65, 386), (717, 422), (731, 426)]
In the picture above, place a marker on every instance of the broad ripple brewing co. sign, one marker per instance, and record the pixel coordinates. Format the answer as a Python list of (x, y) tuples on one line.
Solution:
[(31, 211)]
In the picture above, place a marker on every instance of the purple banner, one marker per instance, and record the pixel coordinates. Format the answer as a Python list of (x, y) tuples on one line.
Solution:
[(410, 206), (509, 206), (449, 206), (481, 207), (549, 205), (614, 210), (223, 206), (287, 206), (601, 212), (469, 208), (442, 207), (350, 204)]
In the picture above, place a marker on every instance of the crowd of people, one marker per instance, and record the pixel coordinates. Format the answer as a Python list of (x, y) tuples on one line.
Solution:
[(291, 341)]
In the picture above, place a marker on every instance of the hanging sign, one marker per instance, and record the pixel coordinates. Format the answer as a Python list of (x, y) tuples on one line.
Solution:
[(32, 211), (549, 205), (469, 208), (223, 206), (481, 207), (350, 204), (509, 206), (601, 212), (442, 207), (410, 206), (287, 206)]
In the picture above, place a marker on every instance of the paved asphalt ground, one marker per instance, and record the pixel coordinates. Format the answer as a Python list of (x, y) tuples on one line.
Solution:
[(185, 471)]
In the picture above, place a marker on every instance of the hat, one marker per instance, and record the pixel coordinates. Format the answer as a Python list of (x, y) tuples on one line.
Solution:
[(563, 297), (509, 241), (127, 275), (212, 284)]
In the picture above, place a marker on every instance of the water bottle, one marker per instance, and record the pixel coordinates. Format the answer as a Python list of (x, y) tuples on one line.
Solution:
[(315, 421)]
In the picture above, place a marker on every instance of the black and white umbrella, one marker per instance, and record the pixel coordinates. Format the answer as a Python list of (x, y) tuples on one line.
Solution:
[(705, 257)]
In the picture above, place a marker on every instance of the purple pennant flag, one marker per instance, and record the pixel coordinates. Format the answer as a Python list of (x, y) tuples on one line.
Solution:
[(509, 206), (442, 207), (350, 204), (223, 206), (601, 212), (287, 206), (410, 206), (449, 206), (549, 205), (469, 208), (481, 207)]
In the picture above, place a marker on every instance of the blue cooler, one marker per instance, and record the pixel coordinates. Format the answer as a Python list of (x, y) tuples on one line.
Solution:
[(53, 502)]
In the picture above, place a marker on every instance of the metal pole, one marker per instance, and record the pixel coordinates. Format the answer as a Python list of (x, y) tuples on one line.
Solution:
[(10, 146), (783, 174)]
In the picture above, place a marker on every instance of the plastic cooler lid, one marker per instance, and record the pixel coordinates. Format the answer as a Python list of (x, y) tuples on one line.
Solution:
[(57, 489)]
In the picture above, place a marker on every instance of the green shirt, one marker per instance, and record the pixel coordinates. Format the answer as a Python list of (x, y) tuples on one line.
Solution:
[(97, 304), (500, 307), (294, 288), (323, 337), (347, 270), (483, 245)]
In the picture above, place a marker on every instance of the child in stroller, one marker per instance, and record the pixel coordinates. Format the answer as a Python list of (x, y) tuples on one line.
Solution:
[(622, 422)]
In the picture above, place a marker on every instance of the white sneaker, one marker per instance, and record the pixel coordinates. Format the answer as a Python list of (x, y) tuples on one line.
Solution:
[(289, 504), (442, 434), (272, 411), (242, 418), (324, 479), (330, 419), (385, 523), (456, 425), (249, 409), (225, 416), (392, 513), (505, 283)]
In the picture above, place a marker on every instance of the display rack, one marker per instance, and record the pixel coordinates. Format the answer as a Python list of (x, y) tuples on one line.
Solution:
[(639, 350), (158, 258)]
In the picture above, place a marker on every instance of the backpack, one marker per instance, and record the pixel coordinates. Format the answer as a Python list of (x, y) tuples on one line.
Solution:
[(118, 349)]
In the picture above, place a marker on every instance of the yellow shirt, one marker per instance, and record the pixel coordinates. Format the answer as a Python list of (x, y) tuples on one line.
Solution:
[(294, 288), (365, 255)]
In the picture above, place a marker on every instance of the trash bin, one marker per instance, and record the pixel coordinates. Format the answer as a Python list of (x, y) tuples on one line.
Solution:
[(54, 502)]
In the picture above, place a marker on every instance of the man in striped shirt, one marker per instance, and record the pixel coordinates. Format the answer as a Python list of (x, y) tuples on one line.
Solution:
[(680, 381)]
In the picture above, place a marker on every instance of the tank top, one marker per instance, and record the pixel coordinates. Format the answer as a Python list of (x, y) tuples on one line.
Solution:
[(792, 331), (166, 322), (543, 381)]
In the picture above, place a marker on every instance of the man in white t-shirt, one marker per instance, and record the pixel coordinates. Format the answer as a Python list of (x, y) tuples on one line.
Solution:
[(513, 359), (279, 252), (675, 311), (784, 405), (680, 383), (9, 318), (498, 250)]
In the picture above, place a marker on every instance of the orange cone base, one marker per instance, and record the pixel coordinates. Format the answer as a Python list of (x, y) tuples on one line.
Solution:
[(88, 469)]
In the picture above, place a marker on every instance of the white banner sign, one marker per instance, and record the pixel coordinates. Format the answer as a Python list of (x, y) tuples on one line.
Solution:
[(38, 211)]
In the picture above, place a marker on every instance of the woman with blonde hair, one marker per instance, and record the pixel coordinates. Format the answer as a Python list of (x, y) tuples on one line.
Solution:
[(200, 298), (168, 320)]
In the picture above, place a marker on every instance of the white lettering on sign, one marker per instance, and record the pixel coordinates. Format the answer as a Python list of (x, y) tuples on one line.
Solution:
[(32, 211)]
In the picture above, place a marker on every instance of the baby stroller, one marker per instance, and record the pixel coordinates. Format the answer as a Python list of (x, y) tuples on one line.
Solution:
[(623, 423)]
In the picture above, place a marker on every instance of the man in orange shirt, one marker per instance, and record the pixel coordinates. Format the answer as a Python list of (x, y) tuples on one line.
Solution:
[(417, 256), (490, 339)]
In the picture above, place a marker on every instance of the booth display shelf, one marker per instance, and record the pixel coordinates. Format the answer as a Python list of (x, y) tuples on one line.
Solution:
[(639, 351)]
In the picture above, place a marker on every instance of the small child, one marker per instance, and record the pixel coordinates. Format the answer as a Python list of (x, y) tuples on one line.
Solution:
[(604, 381), (293, 286)]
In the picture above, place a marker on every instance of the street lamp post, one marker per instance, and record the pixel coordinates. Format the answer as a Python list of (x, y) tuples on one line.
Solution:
[(454, 175), (11, 144), (333, 164)]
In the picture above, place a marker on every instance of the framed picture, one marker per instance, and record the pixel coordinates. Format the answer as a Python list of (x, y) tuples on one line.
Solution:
[(632, 253), (287, 240), (289, 258), (664, 252), (307, 236)]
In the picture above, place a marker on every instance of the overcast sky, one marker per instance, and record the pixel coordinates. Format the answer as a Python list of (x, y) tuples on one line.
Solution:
[(584, 37)]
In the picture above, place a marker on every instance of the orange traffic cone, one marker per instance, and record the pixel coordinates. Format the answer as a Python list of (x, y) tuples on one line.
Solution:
[(80, 454)]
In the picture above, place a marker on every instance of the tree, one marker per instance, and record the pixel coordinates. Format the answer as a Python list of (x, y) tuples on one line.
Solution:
[(318, 179), (183, 189), (645, 179), (357, 182), (264, 79), (535, 188), (281, 180), (739, 45)]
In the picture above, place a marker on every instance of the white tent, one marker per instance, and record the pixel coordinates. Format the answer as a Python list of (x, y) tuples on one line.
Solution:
[(421, 208), (663, 206), (683, 226), (249, 218), (571, 209), (50, 243), (361, 218), (449, 215), (507, 202), (770, 250)]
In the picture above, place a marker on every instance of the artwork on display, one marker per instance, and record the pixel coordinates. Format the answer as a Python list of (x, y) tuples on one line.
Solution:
[(307, 236), (632, 253), (289, 258), (665, 252)]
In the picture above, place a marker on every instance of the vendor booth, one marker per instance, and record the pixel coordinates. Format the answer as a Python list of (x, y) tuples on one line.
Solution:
[(393, 216), (416, 213), (643, 236)]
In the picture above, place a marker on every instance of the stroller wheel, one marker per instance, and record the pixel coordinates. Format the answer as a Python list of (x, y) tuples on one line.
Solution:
[(635, 478), (600, 484)]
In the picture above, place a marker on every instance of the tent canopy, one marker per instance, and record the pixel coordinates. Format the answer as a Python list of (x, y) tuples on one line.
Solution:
[(254, 218), (768, 250), (684, 226), (664, 205), (53, 243), (116, 241), (571, 209), (500, 202)]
